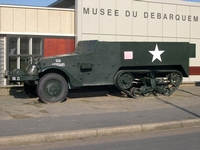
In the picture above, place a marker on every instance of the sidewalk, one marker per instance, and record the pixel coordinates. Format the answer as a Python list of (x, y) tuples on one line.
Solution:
[(93, 114)]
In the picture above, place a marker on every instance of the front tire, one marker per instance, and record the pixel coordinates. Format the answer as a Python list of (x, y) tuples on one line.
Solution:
[(52, 88)]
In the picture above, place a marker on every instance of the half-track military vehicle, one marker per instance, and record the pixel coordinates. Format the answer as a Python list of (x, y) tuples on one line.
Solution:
[(136, 68)]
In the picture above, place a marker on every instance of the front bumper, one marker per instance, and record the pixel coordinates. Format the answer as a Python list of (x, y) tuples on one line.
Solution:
[(19, 75)]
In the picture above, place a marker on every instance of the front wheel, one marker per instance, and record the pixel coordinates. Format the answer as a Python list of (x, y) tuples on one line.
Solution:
[(52, 88)]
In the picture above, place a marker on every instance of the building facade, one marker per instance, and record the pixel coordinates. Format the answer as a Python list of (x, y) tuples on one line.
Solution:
[(47, 31), (33, 32), (144, 20)]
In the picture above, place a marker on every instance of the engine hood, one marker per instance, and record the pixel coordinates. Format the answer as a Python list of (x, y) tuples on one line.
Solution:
[(59, 60)]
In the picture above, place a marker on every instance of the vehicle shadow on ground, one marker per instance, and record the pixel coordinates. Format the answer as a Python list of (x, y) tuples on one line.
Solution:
[(73, 93), (188, 92), (93, 92), (18, 92), (178, 107), (197, 83)]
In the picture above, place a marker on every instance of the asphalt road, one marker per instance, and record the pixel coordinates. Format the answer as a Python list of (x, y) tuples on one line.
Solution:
[(19, 116), (19, 107), (184, 139), (89, 110)]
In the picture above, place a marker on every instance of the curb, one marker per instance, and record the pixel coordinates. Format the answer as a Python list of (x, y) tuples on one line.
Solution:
[(93, 133)]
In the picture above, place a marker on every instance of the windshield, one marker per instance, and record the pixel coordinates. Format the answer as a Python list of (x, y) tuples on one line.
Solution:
[(86, 46)]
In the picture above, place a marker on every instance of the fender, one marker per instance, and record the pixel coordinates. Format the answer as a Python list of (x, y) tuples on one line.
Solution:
[(74, 82)]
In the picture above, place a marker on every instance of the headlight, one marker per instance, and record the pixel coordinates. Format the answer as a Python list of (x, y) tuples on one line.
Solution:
[(32, 69), (36, 61)]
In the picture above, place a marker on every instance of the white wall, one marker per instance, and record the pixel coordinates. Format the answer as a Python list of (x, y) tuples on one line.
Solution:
[(36, 20), (136, 18), (130, 20)]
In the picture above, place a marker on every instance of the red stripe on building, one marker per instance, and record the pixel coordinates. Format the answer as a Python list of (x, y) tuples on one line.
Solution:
[(58, 46), (194, 71)]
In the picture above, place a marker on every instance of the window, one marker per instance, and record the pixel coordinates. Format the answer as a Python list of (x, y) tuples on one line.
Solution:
[(37, 45), (20, 48), (24, 45), (13, 45)]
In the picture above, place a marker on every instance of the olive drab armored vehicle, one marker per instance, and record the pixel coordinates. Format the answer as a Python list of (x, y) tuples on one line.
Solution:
[(136, 68)]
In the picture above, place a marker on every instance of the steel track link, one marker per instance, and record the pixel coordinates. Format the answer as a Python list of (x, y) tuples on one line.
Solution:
[(174, 77)]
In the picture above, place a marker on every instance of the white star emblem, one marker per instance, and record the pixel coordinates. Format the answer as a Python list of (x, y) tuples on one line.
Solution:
[(156, 54)]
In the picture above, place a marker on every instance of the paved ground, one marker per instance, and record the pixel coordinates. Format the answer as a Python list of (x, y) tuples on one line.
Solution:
[(20, 115)]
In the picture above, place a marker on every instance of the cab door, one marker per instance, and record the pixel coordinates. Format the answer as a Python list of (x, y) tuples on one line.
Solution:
[(86, 65)]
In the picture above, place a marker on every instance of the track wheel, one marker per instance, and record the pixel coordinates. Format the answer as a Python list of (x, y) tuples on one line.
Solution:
[(136, 92), (124, 80), (175, 78), (166, 91), (52, 88), (155, 93), (145, 91)]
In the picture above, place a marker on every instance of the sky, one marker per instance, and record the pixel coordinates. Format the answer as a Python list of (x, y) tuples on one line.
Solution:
[(28, 2), (193, 0), (41, 2)]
